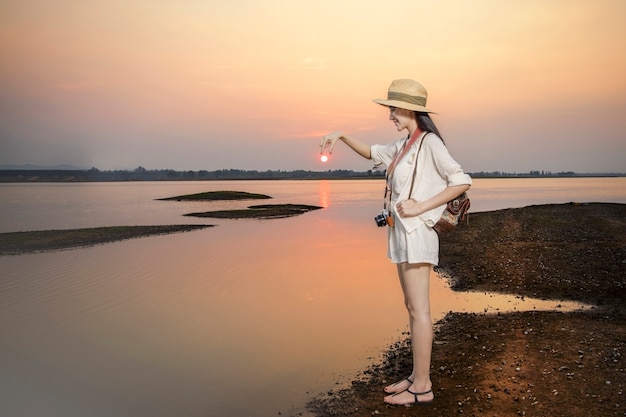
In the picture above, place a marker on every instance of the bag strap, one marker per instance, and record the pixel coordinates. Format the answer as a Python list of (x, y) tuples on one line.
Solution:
[(415, 168)]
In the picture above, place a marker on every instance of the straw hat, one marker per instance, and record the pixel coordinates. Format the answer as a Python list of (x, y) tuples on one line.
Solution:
[(406, 94)]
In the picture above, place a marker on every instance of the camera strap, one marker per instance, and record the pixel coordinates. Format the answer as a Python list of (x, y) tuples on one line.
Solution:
[(415, 168)]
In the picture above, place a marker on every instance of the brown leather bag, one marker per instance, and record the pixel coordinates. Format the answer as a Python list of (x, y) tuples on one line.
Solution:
[(456, 211)]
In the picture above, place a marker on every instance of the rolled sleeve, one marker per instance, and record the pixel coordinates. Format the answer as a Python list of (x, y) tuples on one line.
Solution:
[(384, 154), (459, 178)]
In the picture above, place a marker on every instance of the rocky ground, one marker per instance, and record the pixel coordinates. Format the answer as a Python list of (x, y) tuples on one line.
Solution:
[(525, 363)]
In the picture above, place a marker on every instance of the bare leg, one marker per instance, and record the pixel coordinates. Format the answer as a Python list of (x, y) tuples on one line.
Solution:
[(415, 282)]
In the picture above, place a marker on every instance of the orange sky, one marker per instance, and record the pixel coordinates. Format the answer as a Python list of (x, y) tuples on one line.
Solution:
[(250, 84)]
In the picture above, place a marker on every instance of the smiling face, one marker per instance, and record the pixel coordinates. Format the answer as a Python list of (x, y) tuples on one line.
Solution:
[(402, 118)]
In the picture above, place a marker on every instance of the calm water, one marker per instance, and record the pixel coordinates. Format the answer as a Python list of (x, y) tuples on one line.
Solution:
[(250, 318)]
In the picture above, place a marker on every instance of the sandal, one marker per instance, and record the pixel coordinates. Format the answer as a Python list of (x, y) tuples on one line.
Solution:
[(416, 401), (398, 383)]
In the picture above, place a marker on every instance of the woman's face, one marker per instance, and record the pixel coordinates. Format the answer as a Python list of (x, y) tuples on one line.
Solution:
[(402, 118)]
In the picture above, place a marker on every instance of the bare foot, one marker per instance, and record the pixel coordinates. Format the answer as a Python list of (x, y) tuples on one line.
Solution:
[(410, 397), (398, 386)]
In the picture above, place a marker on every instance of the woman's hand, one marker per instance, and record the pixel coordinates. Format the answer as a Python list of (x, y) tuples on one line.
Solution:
[(409, 208), (329, 141)]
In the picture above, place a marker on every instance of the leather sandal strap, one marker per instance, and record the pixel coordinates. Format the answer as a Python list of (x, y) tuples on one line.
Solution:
[(419, 393), (400, 382)]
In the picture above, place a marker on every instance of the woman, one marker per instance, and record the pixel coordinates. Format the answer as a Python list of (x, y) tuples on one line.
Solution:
[(421, 178)]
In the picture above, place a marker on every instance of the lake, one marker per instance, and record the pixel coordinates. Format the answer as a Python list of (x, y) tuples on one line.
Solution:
[(249, 318)]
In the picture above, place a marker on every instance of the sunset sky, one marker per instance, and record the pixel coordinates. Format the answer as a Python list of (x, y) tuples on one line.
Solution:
[(254, 84)]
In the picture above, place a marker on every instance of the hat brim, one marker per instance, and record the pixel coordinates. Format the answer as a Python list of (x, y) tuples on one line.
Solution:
[(402, 105)]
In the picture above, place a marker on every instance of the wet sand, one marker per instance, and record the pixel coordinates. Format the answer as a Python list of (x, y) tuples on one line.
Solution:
[(16, 243), (523, 363)]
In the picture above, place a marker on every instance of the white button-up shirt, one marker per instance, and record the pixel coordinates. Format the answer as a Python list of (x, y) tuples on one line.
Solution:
[(436, 170)]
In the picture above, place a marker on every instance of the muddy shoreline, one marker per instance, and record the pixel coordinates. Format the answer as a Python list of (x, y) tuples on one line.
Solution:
[(523, 363), (18, 243)]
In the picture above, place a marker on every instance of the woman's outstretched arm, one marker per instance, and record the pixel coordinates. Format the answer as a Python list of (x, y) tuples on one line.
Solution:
[(329, 141)]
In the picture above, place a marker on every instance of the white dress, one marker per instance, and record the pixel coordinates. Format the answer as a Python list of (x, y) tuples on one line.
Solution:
[(412, 239)]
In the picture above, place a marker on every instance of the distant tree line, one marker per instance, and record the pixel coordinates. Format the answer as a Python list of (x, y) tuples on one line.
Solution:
[(541, 174), (142, 174)]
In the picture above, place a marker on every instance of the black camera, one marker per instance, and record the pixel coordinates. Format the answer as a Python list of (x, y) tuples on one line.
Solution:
[(381, 220), (384, 219)]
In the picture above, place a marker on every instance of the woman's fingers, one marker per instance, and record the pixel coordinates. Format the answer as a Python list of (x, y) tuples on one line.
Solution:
[(407, 208), (329, 142), (325, 143)]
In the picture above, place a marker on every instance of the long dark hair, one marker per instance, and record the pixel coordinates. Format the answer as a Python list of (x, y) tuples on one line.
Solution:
[(426, 124)]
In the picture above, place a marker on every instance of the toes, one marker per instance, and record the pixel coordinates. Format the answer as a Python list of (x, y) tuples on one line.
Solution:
[(397, 387), (395, 399)]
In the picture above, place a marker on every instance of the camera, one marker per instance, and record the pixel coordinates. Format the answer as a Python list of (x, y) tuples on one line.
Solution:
[(383, 219)]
